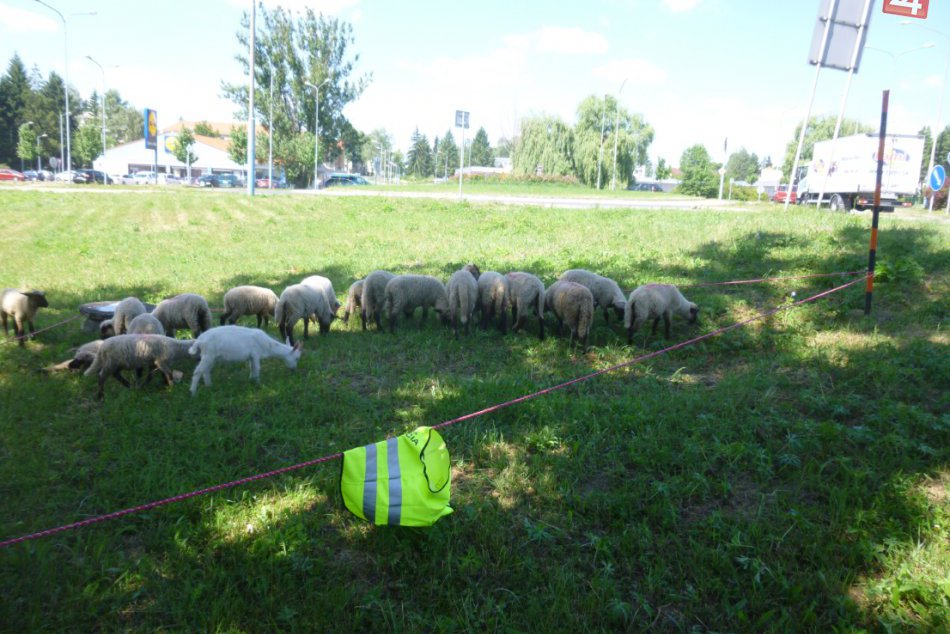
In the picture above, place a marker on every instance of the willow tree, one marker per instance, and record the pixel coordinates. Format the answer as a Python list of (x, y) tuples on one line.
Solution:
[(629, 131), (546, 147)]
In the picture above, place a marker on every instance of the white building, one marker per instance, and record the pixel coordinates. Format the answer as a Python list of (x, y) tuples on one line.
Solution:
[(211, 152)]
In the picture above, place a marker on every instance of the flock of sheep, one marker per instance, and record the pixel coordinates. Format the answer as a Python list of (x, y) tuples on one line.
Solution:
[(134, 339)]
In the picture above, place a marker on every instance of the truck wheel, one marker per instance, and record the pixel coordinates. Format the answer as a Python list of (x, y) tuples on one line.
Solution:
[(839, 203)]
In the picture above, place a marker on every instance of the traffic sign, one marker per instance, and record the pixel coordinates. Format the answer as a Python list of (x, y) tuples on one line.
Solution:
[(937, 176), (461, 119), (907, 8)]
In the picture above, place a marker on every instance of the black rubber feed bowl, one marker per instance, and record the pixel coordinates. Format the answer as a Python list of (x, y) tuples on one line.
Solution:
[(98, 312)]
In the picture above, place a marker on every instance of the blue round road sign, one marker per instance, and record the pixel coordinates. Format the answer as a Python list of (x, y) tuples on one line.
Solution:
[(937, 176)]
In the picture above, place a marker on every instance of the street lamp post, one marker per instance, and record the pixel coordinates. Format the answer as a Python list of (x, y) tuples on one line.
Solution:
[(251, 126), (270, 129), (613, 182), (316, 132), (102, 103), (38, 166)]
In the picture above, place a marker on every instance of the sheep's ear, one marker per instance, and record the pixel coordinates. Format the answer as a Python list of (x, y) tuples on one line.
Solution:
[(298, 346), (287, 340)]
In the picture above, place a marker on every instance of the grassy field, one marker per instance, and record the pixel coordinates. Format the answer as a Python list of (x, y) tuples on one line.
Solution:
[(789, 476)]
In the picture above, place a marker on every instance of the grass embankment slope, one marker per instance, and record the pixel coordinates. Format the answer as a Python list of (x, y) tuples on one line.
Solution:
[(790, 475)]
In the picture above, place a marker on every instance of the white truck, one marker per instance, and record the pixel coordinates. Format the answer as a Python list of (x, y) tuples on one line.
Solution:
[(848, 178)]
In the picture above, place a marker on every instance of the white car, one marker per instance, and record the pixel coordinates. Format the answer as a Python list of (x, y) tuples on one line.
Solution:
[(143, 178), (168, 179)]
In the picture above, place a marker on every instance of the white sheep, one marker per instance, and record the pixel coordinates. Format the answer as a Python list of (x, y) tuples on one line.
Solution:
[(606, 292), (653, 301), (139, 353), (462, 290), (125, 311), (187, 310), (299, 301), (325, 286), (525, 296), (573, 304), (374, 295), (354, 300), (493, 299), (236, 344), (146, 324), (405, 293), (23, 308), (249, 300)]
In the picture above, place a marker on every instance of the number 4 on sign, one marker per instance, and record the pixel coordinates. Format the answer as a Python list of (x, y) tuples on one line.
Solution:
[(907, 8)]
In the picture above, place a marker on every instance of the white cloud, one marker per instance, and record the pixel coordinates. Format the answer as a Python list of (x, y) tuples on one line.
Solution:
[(571, 41), (24, 21), (639, 71), (679, 6), (933, 81)]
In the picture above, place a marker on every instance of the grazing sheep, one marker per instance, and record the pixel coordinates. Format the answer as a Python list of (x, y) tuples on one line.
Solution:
[(493, 299), (462, 290), (249, 300), (187, 310), (299, 301), (374, 294), (83, 357), (405, 293), (525, 296), (125, 311), (325, 286), (146, 324), (236, 344), (22, 307), (137, 352), (653, 301), (573, 304), (606, 292), (354, 300)]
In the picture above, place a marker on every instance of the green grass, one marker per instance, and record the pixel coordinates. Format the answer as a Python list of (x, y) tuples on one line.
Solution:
[(788, 476)]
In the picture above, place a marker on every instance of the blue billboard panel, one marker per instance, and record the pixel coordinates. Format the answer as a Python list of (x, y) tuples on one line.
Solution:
[(151, 129)]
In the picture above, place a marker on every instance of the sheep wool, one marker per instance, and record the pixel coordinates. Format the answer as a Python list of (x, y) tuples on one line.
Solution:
[(354, 300), (187, 310), (325, 286), (374, 294), (83, 357), (405, 293), (572, 304), (237, 344), (526, 297), (146, 324), (249, 300), (299, 301), (606, 292), (493, 299), (462, 290), (656, 301), (23, 308), (137, 352)]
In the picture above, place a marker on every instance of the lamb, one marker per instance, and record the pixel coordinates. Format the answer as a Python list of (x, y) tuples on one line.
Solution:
[(653, 301), (146, 324), (237, 343), (607, 293), (354, 300), (125, 311), (405, 293), (23, 308), (137, 352), (325, 286), (299, 301), (571, 303), (493, 299), (249, 300), (374, 294), (525, 296), (83, 357), (462, 290), (187, 310)]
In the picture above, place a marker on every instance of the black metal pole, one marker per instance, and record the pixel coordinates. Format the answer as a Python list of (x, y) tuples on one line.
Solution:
[(872, 253)]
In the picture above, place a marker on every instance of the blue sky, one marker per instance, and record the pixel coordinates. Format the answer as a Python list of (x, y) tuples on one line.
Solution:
[(698, 70)]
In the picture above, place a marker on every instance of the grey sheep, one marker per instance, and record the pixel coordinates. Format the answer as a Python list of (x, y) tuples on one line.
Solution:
[(374, 294), (125, 311), (606, 292), (525, 297), (187, 310), (325, 286), (83, 357), (572, 304), (354, 300), (405, 293), (146, 324), (299, 301), (249, 300), (139, 353), (22, 307), (653, 301), (493, 299), (462, 290)]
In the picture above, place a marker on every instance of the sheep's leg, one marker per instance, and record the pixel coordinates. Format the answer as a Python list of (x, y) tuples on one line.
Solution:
[(666, 323), (606, 315), (363, 319), (121, 379), (656, 322), (425, 315), (101, 392), (256, 368), (166, 372), (32, 329), (584, 343), (392, 323), (19, 331), (324, 327), (6, 327), (224, 318), (503, 321), (196, 377), (541, 326), (515, 323), (306, 327)]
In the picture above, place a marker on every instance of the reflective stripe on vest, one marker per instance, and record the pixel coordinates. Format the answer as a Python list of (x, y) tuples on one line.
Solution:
[(393, 478)]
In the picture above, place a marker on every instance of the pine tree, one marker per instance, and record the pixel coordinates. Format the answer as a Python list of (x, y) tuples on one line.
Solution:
[(419, 158), (481, 150), (15, 94)]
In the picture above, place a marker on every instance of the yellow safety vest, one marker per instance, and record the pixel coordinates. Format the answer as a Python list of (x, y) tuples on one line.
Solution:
[(402, 481)]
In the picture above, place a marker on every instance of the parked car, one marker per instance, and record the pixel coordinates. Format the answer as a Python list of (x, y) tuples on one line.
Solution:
[(226, 180), (780, 193), (144, 178), (32, 175), (644, 187), (96, 176), (168, 179), (344, 180), (71, 176), (11, 175)]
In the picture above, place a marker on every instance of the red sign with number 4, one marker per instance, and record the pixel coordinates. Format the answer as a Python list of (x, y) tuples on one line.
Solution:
[(907, 8)]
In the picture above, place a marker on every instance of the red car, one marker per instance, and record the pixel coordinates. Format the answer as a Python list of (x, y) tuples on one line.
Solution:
[(11, 175), (779, 195)]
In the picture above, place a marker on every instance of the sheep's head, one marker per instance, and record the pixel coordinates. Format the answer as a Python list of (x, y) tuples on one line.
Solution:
[(106, 329), (693, 313), (473, 269), (37, 298)]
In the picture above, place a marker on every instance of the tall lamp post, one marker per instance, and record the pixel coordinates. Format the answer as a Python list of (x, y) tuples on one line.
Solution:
[(38, 167), (613, 182), (102, 104), (316, 131), (270, 129)]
